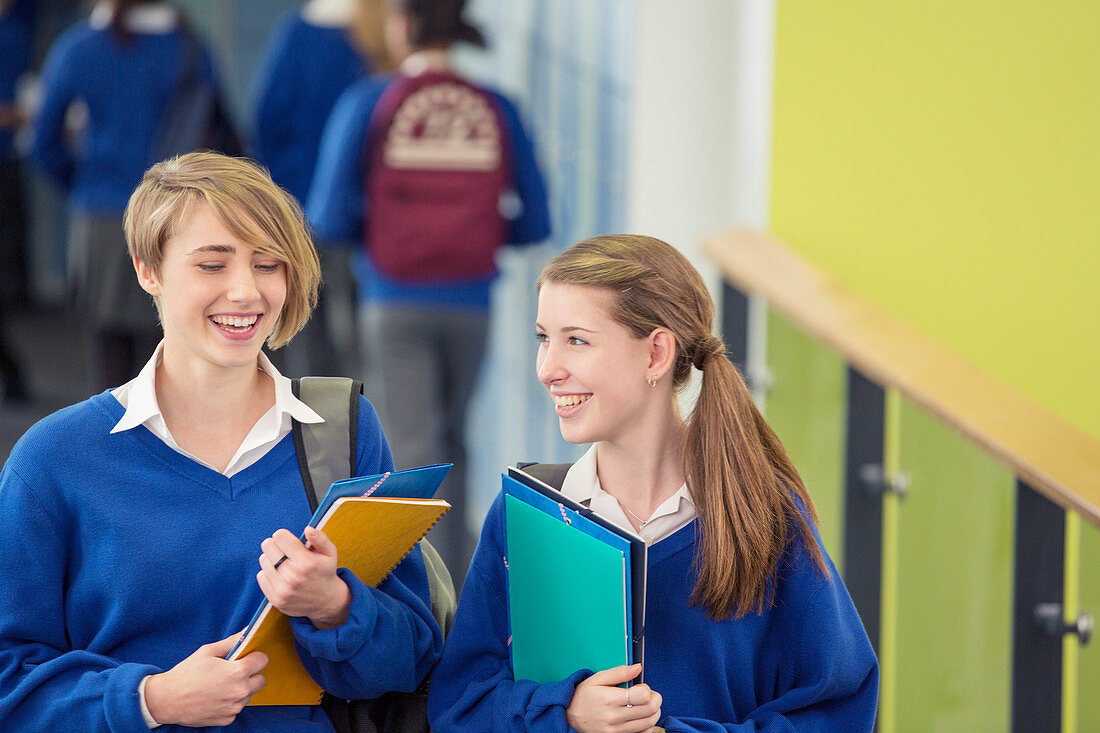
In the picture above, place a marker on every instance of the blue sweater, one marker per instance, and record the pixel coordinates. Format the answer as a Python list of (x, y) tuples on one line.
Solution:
[(302, 72), (337, 207), (126, 88), (804, 664), (125, 556)]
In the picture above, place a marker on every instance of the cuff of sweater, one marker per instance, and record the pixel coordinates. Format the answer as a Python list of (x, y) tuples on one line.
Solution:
[(340, 643), (557, 694), (122, 700)]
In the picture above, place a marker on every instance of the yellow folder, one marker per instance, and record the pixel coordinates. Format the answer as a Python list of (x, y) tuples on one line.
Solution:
[(372, 535)]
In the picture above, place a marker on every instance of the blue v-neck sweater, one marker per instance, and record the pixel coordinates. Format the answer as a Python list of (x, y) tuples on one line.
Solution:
[(804, 664), (121, 557)]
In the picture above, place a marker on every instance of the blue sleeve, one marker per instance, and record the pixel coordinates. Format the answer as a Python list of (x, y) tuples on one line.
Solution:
[(837, 680), (472, 688), (50, 151), (44, 683), (390, 640), (272, 97), (336, 207), (533, 222)]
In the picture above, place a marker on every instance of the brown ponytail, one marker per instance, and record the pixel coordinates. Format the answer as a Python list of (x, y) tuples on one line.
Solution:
[(746, 491)]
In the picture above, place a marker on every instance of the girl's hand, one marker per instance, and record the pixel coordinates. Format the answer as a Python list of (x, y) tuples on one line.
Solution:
[(205, 689), (600, 706), (305, 584)]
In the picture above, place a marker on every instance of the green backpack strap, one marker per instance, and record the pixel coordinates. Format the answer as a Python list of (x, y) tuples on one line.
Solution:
[(327, 450), (327, 453), (444, 599)]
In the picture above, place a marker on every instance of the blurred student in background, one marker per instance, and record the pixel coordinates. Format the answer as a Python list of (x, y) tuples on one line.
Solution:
[(432, 174), (314, 53), (16, 30), (111, 78)]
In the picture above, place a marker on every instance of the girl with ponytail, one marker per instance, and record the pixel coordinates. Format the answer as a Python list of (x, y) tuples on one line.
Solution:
[(748, 625)]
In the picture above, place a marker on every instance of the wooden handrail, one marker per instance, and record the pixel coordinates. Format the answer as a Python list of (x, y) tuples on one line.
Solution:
[(1052, 456)]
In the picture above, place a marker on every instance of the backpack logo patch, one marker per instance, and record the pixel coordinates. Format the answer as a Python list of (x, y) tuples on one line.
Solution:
[(444, 127)]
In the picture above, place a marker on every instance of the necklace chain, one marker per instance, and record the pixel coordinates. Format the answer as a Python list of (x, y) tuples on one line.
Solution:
[(644, 522)]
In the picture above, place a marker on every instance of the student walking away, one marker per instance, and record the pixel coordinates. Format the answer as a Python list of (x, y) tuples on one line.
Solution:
[(121, 68), (433, 174), (313, 54), (748, 626), (151, 517), (16, 31)]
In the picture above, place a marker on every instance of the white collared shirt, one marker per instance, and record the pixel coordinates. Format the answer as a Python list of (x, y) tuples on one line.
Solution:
[(428, 59), (139, 398), (582, 484), (156, 18)]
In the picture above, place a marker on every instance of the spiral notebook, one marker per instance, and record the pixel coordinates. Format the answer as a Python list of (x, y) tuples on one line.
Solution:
[(372, 534)]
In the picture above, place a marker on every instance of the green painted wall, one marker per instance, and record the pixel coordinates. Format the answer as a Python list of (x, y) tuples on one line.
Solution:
[(940, 158)]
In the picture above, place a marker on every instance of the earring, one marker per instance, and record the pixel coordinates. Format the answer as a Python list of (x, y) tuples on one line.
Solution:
[(652, 381)]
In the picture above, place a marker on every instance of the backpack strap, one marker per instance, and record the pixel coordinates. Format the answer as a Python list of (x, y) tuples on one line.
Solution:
[(327, 451), (444, 600), (551, 474)]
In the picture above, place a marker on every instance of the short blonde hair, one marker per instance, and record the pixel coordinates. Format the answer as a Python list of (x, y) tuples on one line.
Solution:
[(246, 200)]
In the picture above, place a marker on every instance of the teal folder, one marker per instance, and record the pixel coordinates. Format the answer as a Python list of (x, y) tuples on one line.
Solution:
[(570, 595)]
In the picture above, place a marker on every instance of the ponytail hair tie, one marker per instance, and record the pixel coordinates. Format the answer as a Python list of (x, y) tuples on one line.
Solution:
[(705, 350)]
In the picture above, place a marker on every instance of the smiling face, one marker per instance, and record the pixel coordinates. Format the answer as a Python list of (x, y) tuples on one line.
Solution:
[(593, 367), (219, 299)]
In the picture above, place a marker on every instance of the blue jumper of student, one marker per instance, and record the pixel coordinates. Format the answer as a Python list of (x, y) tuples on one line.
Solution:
[(126, 87), (148, 520), (305, 67)]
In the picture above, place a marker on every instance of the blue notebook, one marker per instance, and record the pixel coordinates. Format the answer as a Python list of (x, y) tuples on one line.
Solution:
[(411, 483)]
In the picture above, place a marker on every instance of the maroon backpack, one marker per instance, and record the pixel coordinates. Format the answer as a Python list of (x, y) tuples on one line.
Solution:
[(437, 167)]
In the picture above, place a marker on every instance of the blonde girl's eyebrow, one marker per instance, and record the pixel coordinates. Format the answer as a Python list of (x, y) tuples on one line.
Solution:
[(224, 249)]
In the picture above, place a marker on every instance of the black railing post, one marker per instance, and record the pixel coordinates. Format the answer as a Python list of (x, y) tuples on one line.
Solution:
[(1036, 652), (862, 501), (735, 326)]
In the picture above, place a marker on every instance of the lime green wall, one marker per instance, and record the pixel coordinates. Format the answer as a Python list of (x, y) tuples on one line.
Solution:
[(941, 159)]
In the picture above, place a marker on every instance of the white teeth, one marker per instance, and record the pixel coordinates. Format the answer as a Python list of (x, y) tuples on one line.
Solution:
[(235, 321), (570, 400)]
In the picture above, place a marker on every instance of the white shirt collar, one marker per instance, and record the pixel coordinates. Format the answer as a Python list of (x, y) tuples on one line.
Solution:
[(138, 397), (582, 484), (154, 18), (329, 13), (420, 62)]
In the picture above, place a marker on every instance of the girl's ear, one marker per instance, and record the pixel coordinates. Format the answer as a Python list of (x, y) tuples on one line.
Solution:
[(147, 278), (662, 352)]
